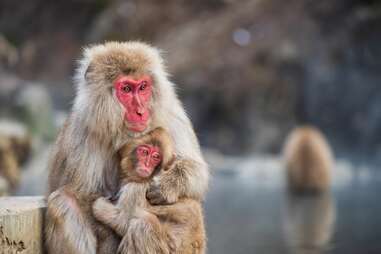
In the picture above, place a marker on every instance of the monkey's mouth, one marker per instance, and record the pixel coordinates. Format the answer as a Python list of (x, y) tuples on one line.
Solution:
[(136, 123), (137, 127), (143, 173)]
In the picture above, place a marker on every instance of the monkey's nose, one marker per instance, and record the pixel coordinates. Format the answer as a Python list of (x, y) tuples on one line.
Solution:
[(140, 111), (147, 162)]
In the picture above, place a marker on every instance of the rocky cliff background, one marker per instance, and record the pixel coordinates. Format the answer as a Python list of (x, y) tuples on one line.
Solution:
[(247, 71)]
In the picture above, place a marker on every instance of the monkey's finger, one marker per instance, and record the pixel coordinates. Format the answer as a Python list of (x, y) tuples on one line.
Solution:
[(158, 201), (152, 192), (155, 197)]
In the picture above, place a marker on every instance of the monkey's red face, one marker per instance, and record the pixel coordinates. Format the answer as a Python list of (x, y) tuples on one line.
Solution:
[(135, 96), (148, 158)]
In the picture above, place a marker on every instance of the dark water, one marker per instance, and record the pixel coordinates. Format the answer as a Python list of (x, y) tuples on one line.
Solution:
[(248, 211)]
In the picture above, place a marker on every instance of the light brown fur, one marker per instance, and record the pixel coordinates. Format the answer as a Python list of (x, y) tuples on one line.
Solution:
[(9, 163), (308, 159), (176, 228), (84, 159)]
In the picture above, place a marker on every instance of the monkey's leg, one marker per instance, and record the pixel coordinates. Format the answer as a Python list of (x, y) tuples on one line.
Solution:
[(184, 222), (108, 244), (67, 229), (146, 235)]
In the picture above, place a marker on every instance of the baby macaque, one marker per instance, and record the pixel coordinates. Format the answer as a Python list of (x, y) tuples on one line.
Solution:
[(176, 228), (309, 161)]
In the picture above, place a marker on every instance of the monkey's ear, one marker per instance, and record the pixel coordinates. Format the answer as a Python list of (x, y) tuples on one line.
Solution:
[(124, 163), (124, 151), (89, 70), (161, 134)]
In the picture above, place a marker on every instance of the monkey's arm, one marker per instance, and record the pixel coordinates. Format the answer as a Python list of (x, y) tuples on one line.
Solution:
[(183, 179), (118, 216), (182, 212), (110, 215)]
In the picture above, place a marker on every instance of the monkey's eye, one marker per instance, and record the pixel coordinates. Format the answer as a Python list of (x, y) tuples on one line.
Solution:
[(156, 156), (126, 89), (143, 85), (143, 151)]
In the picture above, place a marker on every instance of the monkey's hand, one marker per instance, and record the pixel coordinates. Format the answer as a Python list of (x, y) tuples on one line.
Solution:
[(105, 211), (170, 184)]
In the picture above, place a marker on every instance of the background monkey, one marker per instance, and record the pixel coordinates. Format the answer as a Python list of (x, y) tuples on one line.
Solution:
[(308, 159), (122, 92), (309, 223), (176, 228)]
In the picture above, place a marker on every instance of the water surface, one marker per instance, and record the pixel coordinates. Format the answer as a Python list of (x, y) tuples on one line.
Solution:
[(248, 210)]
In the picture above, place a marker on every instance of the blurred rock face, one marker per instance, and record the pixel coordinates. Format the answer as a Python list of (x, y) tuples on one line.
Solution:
[(247, 70), (35, 106), (266, 65), (29, 103)]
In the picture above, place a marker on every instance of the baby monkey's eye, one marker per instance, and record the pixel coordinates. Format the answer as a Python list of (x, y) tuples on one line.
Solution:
[(143, 151), (156, 156)]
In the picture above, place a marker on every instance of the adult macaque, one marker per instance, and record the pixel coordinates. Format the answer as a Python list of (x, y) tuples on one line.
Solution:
[(176, 228), (122, 92), (308, 159)]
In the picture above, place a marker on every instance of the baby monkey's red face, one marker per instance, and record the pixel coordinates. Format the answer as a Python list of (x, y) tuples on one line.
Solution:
[(148, 158)]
